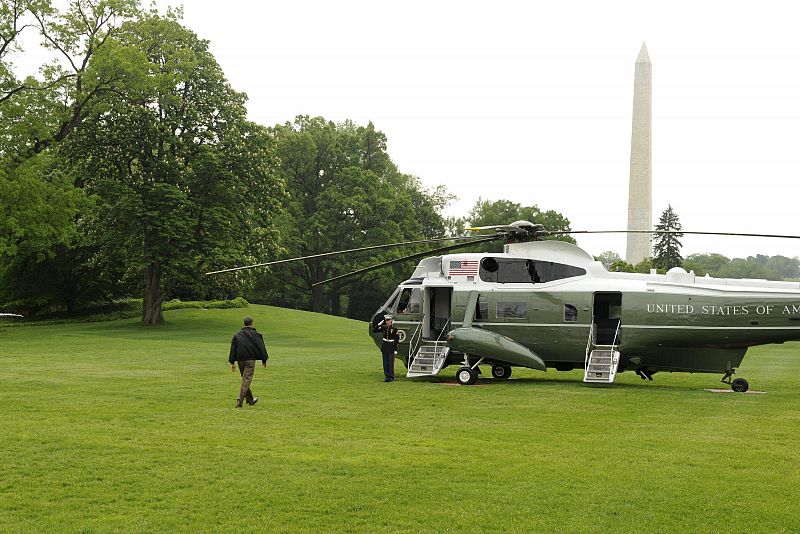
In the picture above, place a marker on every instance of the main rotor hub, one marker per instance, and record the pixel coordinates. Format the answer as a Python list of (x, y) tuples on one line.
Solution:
[(528, 231)]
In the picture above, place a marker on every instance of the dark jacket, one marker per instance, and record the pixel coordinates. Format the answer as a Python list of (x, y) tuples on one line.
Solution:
[(248, 344), (390, 333)]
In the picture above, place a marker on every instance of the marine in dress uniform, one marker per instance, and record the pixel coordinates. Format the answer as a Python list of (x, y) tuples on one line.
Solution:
[(391, 337)]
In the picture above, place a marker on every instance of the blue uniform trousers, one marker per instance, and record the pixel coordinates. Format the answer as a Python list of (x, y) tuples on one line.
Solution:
[(387, 351)]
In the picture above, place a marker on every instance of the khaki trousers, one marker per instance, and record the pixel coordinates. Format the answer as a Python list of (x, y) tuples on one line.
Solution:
[(247, 368)]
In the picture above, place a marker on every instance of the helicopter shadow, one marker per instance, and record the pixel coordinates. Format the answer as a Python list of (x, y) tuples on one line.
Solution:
[(576, 384)]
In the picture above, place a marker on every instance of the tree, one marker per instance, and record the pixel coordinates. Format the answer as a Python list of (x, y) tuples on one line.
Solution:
[(608, 258), (64, 279), (747, 268), (40, 203), (344, 192), (38, 112), (644, 266), (184, 182), (785, 268), (499, 212), (709, 263), (667, 246), (622, 266), (38, 206)]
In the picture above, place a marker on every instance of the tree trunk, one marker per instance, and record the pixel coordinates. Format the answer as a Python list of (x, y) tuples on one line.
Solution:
[(152, 314), (317, 299), (336, 304)]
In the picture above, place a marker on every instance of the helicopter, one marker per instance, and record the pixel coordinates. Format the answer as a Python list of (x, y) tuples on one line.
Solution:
[(547, 304)]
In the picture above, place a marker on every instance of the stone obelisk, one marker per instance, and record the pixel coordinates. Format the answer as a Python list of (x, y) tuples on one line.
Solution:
[(640, 204)]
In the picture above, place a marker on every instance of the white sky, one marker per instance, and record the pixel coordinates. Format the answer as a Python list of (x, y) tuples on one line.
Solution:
[(531, 100)]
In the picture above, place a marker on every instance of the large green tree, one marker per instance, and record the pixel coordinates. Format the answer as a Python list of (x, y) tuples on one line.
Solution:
[(40, 203), (500, 212), (344, 193), (708, 263), (667, 246), (41, 110), (183, 181)]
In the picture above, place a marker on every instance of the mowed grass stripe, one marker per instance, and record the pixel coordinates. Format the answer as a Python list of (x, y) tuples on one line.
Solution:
[(117, 427)]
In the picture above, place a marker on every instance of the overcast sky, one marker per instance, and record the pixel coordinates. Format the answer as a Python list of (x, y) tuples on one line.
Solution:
[(531, 100)]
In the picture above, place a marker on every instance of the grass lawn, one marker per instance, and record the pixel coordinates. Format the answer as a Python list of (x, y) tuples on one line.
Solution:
[(117, 427)]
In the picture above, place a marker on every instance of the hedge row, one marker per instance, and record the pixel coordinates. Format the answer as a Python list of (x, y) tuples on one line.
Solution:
[(130, 309)]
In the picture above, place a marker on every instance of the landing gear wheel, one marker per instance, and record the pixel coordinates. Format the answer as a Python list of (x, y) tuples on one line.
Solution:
[(466, 376), (501, 371), (740, 385)]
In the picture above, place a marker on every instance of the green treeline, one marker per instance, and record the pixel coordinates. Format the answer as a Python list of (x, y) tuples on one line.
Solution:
[(667, 254), (128, 168), (717, 265)]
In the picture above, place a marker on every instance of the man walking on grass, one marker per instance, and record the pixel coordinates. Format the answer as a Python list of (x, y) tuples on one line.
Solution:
[(247, 346)]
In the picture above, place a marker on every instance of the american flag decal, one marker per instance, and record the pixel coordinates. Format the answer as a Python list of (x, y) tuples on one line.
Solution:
[(464, 267)]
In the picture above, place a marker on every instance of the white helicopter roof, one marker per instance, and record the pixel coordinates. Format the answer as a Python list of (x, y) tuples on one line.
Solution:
[(465, 267), (552, 251), (468, 262)]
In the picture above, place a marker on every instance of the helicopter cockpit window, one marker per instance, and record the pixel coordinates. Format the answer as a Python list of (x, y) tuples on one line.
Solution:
[(392, 302), (410, 301), (482, 309), (570, 313), (512, 310), (523, 271)]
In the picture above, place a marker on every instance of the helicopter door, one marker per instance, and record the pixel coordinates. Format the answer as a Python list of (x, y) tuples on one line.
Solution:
[(607, 317), (437, 312)]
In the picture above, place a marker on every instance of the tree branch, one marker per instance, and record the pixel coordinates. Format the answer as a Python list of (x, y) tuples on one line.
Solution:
[(52, 41), (50, 85)]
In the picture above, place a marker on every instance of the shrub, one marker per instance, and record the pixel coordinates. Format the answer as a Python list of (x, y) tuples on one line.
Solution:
[(130, 308)]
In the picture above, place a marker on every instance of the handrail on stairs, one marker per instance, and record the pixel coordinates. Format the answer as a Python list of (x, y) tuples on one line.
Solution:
[(413, 348), (444, 329), (438, 339), (614, 343), (589, 343)]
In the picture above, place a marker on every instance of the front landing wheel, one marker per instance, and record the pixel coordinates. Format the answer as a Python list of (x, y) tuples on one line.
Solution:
[(466, 376), (501, 371), (740, 385)]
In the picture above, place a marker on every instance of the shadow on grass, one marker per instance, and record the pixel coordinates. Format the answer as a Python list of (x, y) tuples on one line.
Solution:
[(565, 383)]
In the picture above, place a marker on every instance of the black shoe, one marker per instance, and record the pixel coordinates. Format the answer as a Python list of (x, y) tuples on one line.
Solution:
[(255, 400), (387, 379), (238, 404)]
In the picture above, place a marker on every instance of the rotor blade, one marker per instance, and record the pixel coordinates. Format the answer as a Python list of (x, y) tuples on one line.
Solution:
[(434, 240), (563, 232), (499, 228), (404, 258)]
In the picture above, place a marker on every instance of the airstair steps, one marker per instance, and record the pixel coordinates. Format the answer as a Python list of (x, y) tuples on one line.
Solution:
[(601, 365), (428, 360)]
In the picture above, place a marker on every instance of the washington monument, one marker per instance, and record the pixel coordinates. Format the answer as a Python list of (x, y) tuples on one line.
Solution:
[(640, 204)]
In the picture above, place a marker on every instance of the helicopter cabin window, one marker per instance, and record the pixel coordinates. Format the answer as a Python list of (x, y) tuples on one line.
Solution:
[(512, 310), (524, 271), (482, 309), (410, 301), (391, 304), (570, 313)]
